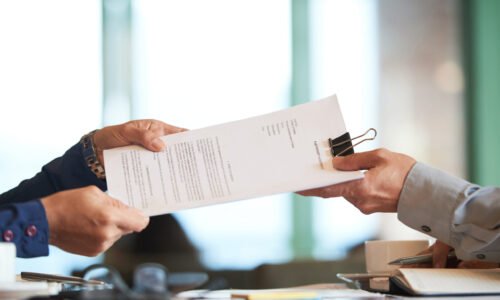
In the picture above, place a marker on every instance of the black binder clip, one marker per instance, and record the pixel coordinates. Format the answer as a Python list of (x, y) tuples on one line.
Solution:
[(342, 145)]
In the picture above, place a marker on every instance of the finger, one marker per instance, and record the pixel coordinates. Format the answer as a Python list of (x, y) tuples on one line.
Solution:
[(159, 129), (114, 202), (147, 133), (324, 192), (130, 219), (167, 128), (358, 161), (337, 190), (426, 251), (440, 254), (126, 218), (475, 264), (418, 265)]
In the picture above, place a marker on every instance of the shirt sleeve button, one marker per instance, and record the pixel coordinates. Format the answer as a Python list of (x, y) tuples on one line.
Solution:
[(425, 228), (31, 231), (8, 235)]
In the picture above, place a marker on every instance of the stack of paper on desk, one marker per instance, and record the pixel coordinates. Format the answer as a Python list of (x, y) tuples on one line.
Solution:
[(284, 151)]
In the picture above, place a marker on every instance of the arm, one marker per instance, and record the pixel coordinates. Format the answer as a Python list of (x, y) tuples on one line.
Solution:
[(66, 172), (461, 214), (23, 219), (87, 221), (71, 171), (80, 220), (25, 225), (83, 221), (456, 212)]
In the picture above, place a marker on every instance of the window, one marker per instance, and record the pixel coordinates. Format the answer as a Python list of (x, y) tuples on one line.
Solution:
[(220, 62), (50, 76), (344, 60)]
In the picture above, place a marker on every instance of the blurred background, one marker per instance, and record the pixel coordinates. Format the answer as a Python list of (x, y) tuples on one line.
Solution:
[(424, 73)]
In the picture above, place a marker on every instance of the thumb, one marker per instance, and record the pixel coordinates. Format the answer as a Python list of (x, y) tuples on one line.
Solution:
[(147, 133), (145, 137), (440, 254), (131, 219), (128, 218), (356, 161)]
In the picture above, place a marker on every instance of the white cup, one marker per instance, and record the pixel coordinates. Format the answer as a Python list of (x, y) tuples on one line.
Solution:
[(379, 253), (7, 262)]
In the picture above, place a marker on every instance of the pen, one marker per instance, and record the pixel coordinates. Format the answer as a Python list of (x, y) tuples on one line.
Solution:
[(418, 259), (58, 278)]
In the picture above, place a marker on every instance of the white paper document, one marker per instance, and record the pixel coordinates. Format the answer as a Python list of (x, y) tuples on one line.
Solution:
[(284, 151)]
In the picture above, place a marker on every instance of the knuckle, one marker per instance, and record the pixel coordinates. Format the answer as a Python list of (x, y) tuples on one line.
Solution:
[(364, 208), (383, 153), (106, 219), (379, 152), (126, 128), (104, 236), (363, 190), (100, 248), (128, 125), (351, 193), (93, 190), (325, 193)]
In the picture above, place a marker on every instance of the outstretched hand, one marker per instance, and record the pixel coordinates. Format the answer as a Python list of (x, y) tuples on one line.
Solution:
[(146, 133), (87, 221), (381, 186)]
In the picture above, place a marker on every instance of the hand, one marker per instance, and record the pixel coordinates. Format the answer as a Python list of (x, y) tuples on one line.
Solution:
[(146, 133), (440, 259), (87, 221), (440, 253), (381, 186)]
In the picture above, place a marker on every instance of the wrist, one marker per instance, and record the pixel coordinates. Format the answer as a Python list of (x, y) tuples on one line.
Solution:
[(51, 216), (92, 155)]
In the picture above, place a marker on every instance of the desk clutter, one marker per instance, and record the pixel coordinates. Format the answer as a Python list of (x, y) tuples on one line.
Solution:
[(153, 281), (315, 291), (12, 286), (384, 259)]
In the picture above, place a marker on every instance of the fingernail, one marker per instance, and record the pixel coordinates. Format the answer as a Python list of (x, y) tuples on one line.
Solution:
[(158, 144), (438, 265)]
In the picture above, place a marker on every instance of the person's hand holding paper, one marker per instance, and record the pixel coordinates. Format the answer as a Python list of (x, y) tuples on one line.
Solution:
[(453, 210), (145, 132), (381, 186), (284, 151)]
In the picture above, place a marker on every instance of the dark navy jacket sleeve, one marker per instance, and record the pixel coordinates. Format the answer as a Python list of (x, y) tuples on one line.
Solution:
[(21, 207), (25, 225)]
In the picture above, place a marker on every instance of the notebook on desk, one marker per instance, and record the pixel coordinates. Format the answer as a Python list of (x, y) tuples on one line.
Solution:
[(429, 282)]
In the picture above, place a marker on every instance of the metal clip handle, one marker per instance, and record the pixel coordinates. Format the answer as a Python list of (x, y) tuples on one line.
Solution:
[(354, 138)]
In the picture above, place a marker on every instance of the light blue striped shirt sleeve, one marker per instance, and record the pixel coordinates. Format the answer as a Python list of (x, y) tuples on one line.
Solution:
[(461, 214)]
